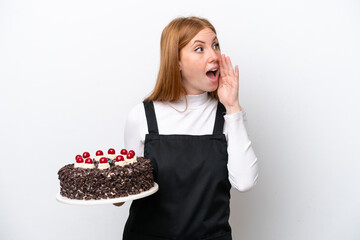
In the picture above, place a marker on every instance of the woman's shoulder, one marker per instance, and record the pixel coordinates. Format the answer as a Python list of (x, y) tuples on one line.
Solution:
[(136, 114), (137, 108)]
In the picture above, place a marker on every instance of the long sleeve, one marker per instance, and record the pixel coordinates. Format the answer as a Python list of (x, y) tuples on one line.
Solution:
[(134, 132), (242, 162)]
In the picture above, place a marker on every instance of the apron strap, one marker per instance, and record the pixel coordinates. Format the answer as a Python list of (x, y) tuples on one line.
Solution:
[(152, 123), (219, 120), (151, 117)]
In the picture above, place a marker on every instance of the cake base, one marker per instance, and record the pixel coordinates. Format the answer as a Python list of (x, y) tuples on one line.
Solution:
[(149, 192), (110, 183)]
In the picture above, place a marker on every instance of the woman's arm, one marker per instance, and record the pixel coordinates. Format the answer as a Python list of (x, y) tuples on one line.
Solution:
[(242, 162), (132, 135), (133, 132)]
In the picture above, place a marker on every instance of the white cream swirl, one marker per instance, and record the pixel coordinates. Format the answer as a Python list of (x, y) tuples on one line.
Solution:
[(88, 166), (103, 165)]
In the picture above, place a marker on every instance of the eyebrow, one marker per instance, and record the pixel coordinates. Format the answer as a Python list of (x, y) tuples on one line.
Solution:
[(215, 38)]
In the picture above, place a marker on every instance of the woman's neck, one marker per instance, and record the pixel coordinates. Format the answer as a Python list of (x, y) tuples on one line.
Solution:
[(190, 102)]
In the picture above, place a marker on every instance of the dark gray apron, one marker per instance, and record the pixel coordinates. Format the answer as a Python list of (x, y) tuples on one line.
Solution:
[(194, 190)]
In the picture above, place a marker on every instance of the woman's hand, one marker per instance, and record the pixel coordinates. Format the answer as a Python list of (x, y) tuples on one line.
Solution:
[(119, 204), (228, 90)]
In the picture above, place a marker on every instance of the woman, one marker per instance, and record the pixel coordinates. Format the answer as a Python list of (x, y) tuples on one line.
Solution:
[(197, 152)]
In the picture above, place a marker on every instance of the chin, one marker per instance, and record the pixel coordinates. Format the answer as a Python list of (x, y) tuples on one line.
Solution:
[(213, 88)]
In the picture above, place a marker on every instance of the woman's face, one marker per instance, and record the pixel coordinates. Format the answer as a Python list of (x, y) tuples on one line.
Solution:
[(199, 63)]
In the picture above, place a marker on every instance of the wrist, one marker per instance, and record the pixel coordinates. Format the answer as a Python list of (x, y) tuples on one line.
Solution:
[(233, 108)]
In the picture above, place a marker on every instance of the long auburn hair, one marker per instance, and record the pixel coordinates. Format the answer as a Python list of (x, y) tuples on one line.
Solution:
[(176, 35)]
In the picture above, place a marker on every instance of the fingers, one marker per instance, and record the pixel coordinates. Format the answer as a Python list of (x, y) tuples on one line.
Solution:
[(226, 67), (237, 71)]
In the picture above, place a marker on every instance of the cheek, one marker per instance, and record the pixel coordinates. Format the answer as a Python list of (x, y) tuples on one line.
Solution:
[(187, 68), (191, 66), (195, 68), (219, 54)]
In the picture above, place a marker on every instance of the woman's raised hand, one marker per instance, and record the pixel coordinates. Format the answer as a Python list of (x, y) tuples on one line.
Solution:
[(228, 90)]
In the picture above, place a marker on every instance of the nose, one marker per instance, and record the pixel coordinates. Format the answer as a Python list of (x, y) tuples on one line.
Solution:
[(214, 55)]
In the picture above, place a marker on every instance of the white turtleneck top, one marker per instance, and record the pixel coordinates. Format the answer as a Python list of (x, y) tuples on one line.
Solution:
[(198, 119)]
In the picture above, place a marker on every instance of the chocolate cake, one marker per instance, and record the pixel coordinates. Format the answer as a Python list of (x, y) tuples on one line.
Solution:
[(106, 177)]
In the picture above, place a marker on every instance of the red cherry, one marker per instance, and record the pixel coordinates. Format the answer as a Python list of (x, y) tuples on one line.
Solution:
[(129, 156), (80, 160), (111, 151), (103, 160), (88, 160), (99, 153), (123, 152), (78, 156), (132, 152), (86, 155), (119, 158)]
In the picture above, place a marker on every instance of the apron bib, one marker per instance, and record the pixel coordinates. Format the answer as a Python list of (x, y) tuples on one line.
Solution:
[(194, 191)]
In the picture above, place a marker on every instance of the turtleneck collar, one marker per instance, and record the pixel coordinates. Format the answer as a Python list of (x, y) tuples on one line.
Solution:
[(194, 101)]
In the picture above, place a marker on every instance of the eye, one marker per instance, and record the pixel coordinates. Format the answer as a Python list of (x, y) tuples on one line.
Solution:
[(199, 49), (216, 46)]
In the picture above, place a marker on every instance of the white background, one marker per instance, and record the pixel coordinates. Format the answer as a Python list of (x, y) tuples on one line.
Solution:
[(71, 70)]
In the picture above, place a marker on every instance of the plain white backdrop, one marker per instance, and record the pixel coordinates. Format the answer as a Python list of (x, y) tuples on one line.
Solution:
[(70, 72)]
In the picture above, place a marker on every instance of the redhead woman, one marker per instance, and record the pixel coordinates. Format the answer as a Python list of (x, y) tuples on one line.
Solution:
[(192, 129)]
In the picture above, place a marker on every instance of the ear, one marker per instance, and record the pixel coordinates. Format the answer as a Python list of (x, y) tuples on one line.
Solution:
[(180, 65)]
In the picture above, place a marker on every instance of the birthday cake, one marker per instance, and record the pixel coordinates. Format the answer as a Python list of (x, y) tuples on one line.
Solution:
[(104, 177)]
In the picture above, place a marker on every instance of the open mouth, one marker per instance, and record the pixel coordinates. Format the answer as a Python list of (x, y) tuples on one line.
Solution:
[(212, 75)]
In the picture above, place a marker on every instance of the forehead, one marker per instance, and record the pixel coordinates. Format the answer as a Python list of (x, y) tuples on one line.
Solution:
[(204, 35)]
